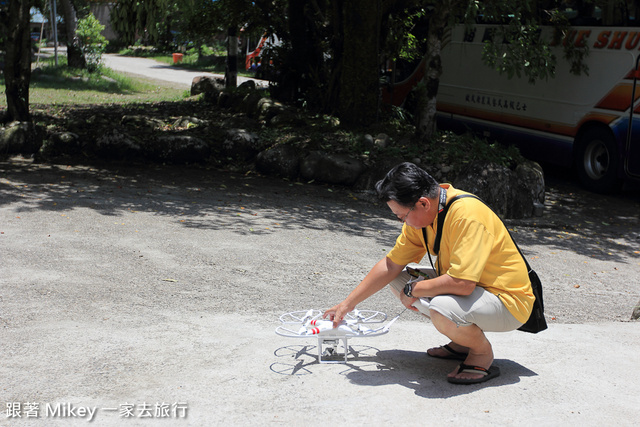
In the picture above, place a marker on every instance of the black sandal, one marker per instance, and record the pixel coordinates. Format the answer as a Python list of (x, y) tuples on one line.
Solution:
[(453, 354), (492, 372)]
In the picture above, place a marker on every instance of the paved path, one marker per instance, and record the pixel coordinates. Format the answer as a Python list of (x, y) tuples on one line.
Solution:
[(160, 71), (156, 288)]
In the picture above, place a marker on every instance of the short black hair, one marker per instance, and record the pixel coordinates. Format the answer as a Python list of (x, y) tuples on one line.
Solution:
[(405, 184)]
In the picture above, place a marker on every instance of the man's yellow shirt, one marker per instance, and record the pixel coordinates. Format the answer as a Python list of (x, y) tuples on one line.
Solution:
[(475, 246)]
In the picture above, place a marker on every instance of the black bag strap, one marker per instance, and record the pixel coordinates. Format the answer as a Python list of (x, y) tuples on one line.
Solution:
[(441, 216)]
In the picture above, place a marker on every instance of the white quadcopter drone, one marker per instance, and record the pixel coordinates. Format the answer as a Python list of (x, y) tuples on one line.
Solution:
[(304, 324)]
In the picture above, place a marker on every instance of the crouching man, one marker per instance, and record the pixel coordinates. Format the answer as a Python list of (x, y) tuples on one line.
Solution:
[(481, 282)]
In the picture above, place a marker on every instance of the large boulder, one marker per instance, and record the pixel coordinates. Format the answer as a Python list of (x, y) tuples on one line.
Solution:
[(60, 144), (20, 138), (250, 103), (206, 84), (340, 169), (178, 149), (367, 180), (509, 193), (268, 108), (281, 160), (241, 144), (114, 144)]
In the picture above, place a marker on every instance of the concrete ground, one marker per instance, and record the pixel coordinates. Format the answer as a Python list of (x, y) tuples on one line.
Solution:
[(150, 295)]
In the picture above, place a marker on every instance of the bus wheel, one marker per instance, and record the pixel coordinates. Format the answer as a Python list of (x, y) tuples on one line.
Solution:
[(597, 161)]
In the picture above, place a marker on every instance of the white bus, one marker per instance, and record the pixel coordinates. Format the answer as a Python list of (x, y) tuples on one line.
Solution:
[(568, 120)]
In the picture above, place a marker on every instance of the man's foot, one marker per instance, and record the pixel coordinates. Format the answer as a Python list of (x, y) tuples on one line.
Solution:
[(480, 373), (477, 362), (449, 351)]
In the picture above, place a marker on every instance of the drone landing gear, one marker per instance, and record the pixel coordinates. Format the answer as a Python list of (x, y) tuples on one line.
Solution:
[(328, 348)]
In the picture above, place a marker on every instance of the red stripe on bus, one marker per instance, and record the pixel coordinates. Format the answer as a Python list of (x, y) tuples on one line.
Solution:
[(619, 98)]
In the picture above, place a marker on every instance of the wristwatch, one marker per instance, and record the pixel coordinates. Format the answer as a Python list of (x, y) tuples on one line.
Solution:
[(408, 288)]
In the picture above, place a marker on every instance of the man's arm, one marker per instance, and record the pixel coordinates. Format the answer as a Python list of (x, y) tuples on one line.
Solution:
[(380, 275), (441, 285)]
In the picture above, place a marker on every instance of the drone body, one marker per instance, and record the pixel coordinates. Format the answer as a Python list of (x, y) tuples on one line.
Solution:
[(358, 323)]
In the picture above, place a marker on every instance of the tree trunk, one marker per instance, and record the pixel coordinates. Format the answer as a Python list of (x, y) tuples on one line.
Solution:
[(75, 58), (303, 71), (358, 81), (427, 102), (231, 74), (17, 66)]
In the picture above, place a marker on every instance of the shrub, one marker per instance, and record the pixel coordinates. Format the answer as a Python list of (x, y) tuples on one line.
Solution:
[(92, 42)]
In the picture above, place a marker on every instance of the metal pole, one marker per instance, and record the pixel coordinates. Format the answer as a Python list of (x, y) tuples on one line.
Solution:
[(54, 28), (636, 74)]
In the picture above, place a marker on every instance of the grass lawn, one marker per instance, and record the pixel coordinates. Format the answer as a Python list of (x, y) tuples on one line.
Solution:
[(59, 85)]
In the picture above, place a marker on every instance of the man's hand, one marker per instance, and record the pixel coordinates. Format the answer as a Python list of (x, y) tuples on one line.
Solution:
[(408, 301), (337, 313)]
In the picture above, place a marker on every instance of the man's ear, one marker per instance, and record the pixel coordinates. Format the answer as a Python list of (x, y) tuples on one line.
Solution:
[(425, 202)]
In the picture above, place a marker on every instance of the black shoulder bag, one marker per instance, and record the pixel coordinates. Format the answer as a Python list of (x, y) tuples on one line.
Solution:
[(536, 322)]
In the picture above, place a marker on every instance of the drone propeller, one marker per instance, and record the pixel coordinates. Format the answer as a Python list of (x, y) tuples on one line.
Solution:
[(388, 325), (307, 316)]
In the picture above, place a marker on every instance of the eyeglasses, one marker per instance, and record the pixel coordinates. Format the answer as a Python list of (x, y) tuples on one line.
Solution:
[(404, 218)]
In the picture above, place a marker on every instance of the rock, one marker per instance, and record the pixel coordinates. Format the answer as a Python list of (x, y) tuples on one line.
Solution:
[(187, 122), (367, 180), (241, 144), (250, 103), (60, 144), (531, 176), (286, 118), (247, 85), (20, 138), (267, 109), (492, 183), (381, 140), (281, 160), (94, 121), (140, 121), (114, 144), (509, 193), (226, 99), (635, 314), (340, 169), (367, 142), (178, 149), (206, 84)]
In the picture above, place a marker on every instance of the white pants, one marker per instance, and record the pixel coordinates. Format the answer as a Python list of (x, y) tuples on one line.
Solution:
[(481, 308)]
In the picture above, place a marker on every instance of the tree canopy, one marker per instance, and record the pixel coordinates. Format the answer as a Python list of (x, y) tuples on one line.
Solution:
[(333, 53)]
